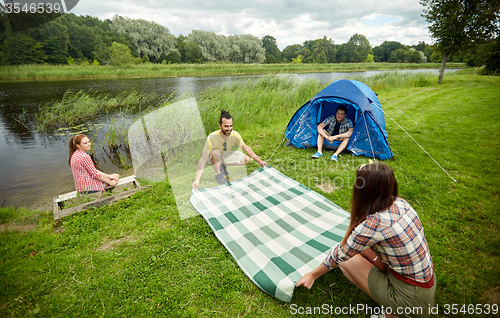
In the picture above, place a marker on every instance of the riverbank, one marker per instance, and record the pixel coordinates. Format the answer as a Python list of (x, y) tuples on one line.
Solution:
[(139, 256), (64, 72)]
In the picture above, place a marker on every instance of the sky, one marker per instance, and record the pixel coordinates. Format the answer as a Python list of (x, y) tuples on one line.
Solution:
[(288, 21)]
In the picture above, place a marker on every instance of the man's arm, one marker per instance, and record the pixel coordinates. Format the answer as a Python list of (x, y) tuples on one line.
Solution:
[(252, 155), (322, 131), (199, 169), (347, 134)]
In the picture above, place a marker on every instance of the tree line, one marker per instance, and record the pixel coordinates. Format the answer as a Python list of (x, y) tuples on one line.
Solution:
[(119, 41)]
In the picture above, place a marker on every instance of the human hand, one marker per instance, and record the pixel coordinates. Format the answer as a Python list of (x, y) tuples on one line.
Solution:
[(195, 185), (113, 182), (263, 164), (307, 281)]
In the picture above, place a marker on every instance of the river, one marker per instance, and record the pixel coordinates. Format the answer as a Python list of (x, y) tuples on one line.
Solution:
[(34, 166)]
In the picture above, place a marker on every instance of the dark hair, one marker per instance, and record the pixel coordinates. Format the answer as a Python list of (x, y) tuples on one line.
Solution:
[(342, 107), (374, 190), (224, 114), (73, 141)]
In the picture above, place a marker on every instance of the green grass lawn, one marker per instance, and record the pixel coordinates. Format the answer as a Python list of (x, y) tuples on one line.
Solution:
[(138, 258)]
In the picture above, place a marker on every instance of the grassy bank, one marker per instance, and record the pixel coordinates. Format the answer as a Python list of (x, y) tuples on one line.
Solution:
[(59, 72), (138, 257)]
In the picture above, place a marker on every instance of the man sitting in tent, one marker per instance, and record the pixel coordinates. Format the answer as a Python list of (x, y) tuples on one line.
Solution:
[(218, 151), (339, 128)]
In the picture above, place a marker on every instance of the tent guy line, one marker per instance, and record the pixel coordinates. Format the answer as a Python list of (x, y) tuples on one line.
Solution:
[(454, 180), (397, 109)]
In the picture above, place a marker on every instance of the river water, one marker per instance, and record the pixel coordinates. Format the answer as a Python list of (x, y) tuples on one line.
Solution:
[(34, 166)]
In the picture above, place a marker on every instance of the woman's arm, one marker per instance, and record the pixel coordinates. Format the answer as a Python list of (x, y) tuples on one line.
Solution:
[(109, 181), (308, 279)]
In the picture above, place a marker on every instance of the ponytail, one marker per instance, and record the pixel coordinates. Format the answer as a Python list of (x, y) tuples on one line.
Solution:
[(224, 114), (73, 141)]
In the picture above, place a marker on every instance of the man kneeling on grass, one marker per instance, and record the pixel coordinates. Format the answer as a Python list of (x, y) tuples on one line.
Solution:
[(219, 151), (339, 128)]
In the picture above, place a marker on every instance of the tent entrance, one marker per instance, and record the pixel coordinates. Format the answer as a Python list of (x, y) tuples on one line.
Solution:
[(328, 107)]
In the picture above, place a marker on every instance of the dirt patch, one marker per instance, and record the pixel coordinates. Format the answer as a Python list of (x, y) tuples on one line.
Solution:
[(112, 244), (18, 228), (493, 295), (327, 187)]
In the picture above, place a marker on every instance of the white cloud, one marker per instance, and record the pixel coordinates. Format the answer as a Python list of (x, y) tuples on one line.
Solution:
[(289, 21)]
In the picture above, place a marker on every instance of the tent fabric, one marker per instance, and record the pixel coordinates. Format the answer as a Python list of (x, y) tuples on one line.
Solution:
[(276, 229), (369, 138)]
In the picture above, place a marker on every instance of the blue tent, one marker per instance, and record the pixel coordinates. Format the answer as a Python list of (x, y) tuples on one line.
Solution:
[(369, 137)]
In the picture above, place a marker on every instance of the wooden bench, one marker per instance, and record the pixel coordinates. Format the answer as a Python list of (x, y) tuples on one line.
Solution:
[(97, 203), (72, 195)]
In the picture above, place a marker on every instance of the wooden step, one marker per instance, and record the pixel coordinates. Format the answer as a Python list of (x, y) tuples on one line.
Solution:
[(97, 203), (72, 195)]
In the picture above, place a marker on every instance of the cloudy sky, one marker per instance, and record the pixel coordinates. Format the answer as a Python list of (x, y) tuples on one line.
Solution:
[(289, 21)]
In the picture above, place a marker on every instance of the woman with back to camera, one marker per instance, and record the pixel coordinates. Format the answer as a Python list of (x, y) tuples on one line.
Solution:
[(384, 251), (87, 178)]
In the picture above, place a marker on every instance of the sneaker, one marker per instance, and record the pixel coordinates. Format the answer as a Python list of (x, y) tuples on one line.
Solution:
[(317, 155), (223, 170), (220, 178), (378, 316), (333, 157)]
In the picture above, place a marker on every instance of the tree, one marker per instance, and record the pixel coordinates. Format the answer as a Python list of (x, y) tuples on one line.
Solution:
[(356, 50), (456, 24), (55, 54), (191, 52), (289, 51), (213, 47), (298, 59), (323, 50), (398, 56), (273, 53), (383, 52), (246, 49), (148, 38), (173, 57), (19, 48), (493, 61), (120, 54)]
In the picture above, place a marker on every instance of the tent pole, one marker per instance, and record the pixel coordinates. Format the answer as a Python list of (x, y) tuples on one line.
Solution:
[(368, 134)]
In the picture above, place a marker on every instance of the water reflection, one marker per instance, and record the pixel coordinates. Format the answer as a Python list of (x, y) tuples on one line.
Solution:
[(34, 165)]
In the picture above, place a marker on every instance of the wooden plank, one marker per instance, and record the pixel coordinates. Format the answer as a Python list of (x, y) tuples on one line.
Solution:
[(74, 194), (107, 200)]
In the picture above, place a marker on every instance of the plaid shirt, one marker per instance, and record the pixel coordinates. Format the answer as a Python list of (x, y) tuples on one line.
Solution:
[(344, 126), (84, 172), (397, 235)]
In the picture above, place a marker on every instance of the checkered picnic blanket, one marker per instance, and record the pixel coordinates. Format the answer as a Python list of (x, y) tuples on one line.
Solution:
[(276, 229)]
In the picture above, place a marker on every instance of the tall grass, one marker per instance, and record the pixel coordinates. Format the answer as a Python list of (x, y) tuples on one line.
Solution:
[(77, 107), (51, 72)]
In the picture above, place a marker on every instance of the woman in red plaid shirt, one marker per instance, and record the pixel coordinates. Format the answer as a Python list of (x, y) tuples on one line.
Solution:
[(384, 251), (87, 178)]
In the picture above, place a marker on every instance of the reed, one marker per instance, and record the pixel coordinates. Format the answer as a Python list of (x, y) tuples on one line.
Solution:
[(54, 72), (77, 107)]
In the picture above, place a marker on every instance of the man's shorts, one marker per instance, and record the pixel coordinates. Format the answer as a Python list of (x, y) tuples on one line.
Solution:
[(229, 158), (405, 300)]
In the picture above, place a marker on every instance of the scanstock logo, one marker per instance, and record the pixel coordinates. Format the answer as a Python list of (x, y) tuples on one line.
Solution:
[(26, 14)]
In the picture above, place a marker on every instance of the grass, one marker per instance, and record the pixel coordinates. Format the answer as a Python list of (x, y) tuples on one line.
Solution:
[(138, 257), (54, 72), (76, 107)]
